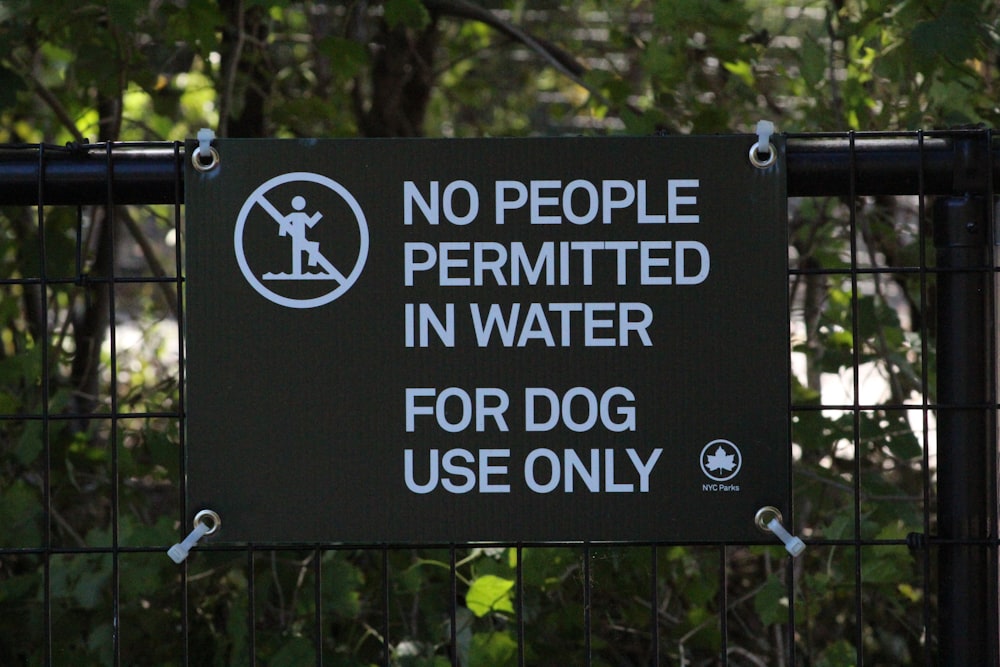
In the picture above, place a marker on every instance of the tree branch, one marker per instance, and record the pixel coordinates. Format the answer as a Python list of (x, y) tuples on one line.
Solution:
[(229, 74), (149, 254), (48, 98), (559, 59)]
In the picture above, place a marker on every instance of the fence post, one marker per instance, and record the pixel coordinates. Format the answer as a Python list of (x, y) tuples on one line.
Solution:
[(966, 573)]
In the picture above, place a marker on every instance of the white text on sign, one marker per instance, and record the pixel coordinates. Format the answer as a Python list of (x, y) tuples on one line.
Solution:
[(485, 263), (519, 325), (517, 264), (644, 263), (550, 202), (455, 409), (578, 409), (544, 471)]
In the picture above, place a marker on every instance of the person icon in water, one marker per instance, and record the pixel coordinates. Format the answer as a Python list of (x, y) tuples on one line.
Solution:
[(296, 225)]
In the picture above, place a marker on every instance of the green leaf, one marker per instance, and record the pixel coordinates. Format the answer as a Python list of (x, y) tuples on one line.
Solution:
[(406, 14), (30, 444), (490, 593), (9, 403), (297, 651), (839, 528), (494, 649), (910, 592), (904, 445), (10, 86), (92, 587), (839, 654), (347, 57), (883, 569), (236, 630), (341, 584), (742, 70), (813, 61), (100, 643), (124, 13), (954, 35), (194, 24), (771, 602), (24, 368), (20, 510), (701, 590)]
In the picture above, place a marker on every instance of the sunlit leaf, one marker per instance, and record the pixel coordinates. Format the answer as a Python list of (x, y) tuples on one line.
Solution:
[(490, 593)]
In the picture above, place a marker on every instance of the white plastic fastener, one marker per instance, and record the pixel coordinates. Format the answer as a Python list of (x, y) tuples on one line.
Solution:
[(204, 157), (179, 552), (205, 137), (793, 545), (765, 130), (768, 520), (206, 522), (763, 153)]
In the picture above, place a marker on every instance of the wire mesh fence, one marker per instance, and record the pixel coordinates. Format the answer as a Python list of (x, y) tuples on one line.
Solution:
[(892, 349)]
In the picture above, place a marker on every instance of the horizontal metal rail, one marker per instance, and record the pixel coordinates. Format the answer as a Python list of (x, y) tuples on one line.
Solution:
[(817, 165), (889, 165), (140, 174)]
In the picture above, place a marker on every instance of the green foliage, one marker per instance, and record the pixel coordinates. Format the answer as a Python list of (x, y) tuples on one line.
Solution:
[(406, 14), (493, 650), (490, 593), (135, 70)]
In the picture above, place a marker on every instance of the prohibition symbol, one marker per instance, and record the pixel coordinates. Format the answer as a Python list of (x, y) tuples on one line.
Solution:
[(287, 212)]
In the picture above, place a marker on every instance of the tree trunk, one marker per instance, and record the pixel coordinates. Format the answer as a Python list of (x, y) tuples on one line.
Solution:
[(402, 79), (246, 81)]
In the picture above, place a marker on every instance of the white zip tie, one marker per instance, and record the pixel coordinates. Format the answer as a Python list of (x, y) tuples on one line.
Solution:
[(763, 153), (205, 137), (206, 522), (765, 129), (793, 545)]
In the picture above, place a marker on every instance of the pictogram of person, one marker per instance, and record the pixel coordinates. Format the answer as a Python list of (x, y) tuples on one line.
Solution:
[(295, 225)]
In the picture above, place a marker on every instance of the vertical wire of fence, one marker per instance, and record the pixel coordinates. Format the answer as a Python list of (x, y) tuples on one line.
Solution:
[(892, 273), (937, 291)]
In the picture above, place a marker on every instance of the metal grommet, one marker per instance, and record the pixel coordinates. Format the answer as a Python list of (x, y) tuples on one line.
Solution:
[(205, 166), (758, 160), (208, 518), (766, 515)]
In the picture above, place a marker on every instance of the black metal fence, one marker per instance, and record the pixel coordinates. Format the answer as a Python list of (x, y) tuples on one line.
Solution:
[(892, 285)]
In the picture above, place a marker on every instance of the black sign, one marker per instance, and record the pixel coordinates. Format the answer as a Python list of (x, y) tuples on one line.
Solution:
[(487, 340)]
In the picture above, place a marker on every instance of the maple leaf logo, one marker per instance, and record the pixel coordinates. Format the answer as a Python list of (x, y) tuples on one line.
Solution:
[(720, 460)]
